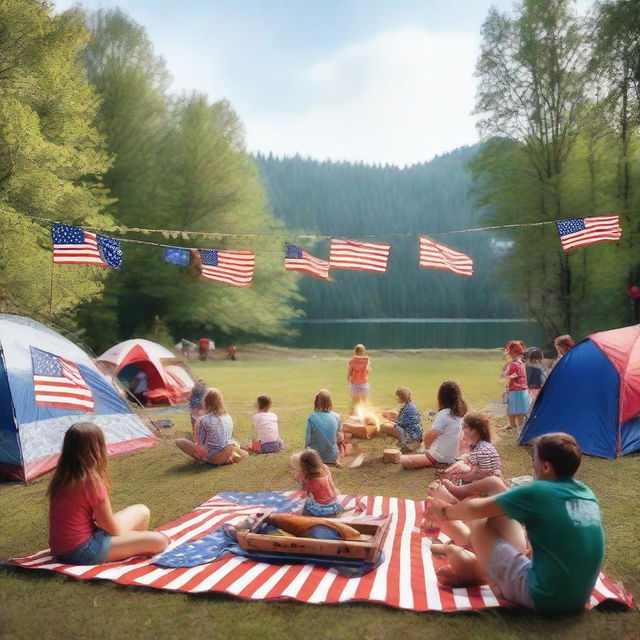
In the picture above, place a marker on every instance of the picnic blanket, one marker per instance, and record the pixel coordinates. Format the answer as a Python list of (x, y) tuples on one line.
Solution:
[(406, 579)]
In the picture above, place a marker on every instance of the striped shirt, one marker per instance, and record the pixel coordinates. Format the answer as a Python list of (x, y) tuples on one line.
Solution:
[(484, 455), (214, 432)]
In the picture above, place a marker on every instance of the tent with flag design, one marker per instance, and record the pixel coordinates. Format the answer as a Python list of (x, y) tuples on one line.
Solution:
[(169, 381), (593, 393), (47, 383)]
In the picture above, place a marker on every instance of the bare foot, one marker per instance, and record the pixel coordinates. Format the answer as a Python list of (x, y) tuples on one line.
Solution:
[(453, 488), (447, 578)]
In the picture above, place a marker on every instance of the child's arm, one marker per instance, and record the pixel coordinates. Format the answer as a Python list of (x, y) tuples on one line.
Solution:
[(307, 438), (331, 482), (103, 515), (349, 373)]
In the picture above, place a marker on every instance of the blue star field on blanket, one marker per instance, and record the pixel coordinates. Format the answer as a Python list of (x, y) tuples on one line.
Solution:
[(212, 546)]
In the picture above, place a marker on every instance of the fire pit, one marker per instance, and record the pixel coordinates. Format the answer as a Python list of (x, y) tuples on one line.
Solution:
[(365, 424)]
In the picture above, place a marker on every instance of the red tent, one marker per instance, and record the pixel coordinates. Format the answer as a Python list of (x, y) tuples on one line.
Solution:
[(169, 381)]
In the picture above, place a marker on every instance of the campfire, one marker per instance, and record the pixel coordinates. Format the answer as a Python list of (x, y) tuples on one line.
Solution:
[(364, 424)]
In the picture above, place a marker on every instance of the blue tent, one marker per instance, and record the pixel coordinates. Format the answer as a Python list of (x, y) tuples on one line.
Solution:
[(593, 393), (33, 420)]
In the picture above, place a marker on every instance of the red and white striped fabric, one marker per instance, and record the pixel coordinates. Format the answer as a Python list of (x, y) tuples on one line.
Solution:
[(234, 268), (405, 580), (361, 256), (438, 256)]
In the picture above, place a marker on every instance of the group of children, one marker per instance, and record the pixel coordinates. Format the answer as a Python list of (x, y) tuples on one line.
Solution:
[(83, 529)]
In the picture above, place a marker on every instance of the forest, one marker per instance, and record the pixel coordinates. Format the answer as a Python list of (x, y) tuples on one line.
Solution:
[(91, 135)]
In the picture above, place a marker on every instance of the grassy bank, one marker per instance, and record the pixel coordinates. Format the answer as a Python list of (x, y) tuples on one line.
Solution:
[(50, 606)]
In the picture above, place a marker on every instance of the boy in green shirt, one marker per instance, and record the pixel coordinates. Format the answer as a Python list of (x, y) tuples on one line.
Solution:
[(562, 520)]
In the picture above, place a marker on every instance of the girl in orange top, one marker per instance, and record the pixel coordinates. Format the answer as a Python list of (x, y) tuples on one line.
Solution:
[(358, 375), (318, 484)]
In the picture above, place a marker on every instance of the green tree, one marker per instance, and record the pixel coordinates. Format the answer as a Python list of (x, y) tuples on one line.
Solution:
[(51, 157)]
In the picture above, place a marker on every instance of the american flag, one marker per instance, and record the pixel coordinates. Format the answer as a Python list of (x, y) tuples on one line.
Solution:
[(437, 256), (406, 579), (229, 267), (73, 245), (295, 259), (363, 256), (577, 232), (59, 383)]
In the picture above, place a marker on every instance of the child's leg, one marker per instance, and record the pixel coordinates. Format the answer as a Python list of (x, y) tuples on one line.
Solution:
[(512, 422), (133, 518), (491, 486), (463, 569), (194, 450), (223, 456), (520, 420), (417, 461), (439, 489), (390, 429), (136, 543)]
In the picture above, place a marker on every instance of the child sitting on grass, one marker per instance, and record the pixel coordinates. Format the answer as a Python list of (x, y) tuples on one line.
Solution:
[(83, 529), (266, 424), (316, 480), (324, 433)]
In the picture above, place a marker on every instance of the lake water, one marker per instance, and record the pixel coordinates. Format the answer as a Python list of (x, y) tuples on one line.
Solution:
[(414, 333)]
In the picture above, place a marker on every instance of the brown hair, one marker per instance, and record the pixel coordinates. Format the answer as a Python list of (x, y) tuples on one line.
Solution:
[(515, 347), (311, 464), (450, 397), (263, 402), (214, 402), (535, 355), (564, 342), (359, 350), (404, 394), (83, 458), (480, 423), (323, 401), (561, 451)]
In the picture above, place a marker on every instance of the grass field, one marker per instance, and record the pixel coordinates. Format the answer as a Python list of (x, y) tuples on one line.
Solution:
[(43, 605)]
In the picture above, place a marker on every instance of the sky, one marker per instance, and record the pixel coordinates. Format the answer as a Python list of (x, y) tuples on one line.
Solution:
[(373, 81)]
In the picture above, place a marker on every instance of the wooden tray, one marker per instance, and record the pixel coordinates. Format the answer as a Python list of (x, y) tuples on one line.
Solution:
[(366, 549)]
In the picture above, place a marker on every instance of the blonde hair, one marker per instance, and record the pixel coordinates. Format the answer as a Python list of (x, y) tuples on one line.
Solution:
[(83, 458), (403, 394), (214, 402), (359, 350), (294, 461), (323, 401)]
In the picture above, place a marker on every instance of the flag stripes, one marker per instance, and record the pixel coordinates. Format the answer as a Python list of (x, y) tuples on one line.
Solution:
[(438, 256), (361, 256), (234, 268), (295, 259), (577, 232), (405, 580)]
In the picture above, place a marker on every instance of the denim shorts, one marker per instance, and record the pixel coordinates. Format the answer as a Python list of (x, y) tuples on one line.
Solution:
[(93, 551), (313, 508), (508, 569), (360, 390)]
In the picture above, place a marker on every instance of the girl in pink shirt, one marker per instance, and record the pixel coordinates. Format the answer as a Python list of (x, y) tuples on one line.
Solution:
[(82, 526), (266, 424), (317, 482), (518, 392)]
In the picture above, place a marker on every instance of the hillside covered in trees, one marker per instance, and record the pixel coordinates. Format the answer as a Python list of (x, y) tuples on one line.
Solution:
[(355, 200)]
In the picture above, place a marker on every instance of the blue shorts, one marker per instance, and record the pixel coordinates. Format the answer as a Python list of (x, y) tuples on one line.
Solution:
[(508, 568), (93, 551), (518, 402), (313, 508), (360, 390)]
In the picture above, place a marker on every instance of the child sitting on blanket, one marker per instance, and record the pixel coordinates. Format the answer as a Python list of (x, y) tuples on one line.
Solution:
[(483, 459), (266, 424), (83, 529), (317, 482)]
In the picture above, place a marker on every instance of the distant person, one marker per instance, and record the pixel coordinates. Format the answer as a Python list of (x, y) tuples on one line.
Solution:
[(83, 529), (358, 375), (516, 376), (231, 352), (634, 302), (563, 526), (213, 441), (317, 483), (139, 386), (267, 438), (203, 348), (405, 424), (324, 433), (442, 441), (211, 349), (536, 373), (562, 344), (186, 348), (195, 400)]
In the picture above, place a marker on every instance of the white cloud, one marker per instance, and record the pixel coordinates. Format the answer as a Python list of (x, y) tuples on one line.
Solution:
[(401, 97)]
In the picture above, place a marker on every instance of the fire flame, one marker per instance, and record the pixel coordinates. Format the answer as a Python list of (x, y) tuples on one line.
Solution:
[(367, 414)]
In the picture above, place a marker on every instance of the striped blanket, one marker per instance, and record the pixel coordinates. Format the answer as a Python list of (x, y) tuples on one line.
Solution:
[(405, 580)]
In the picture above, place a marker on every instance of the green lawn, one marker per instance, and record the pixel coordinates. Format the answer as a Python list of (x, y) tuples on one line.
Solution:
[(43, 605)]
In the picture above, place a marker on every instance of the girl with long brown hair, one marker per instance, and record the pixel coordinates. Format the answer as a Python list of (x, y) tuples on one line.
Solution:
[(442, 440), (212, 437), (82, 526)]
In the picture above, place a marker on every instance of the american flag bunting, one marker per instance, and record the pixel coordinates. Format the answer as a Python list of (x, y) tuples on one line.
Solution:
[(361, 256), (438, 256), (577, 232), (295, 259), (73, 245), (234, 268)]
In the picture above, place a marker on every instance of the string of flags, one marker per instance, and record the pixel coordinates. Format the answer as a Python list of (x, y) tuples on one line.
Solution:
[(74, 245)]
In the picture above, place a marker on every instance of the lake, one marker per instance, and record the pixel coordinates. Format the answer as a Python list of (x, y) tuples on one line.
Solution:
[(413, 333)]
